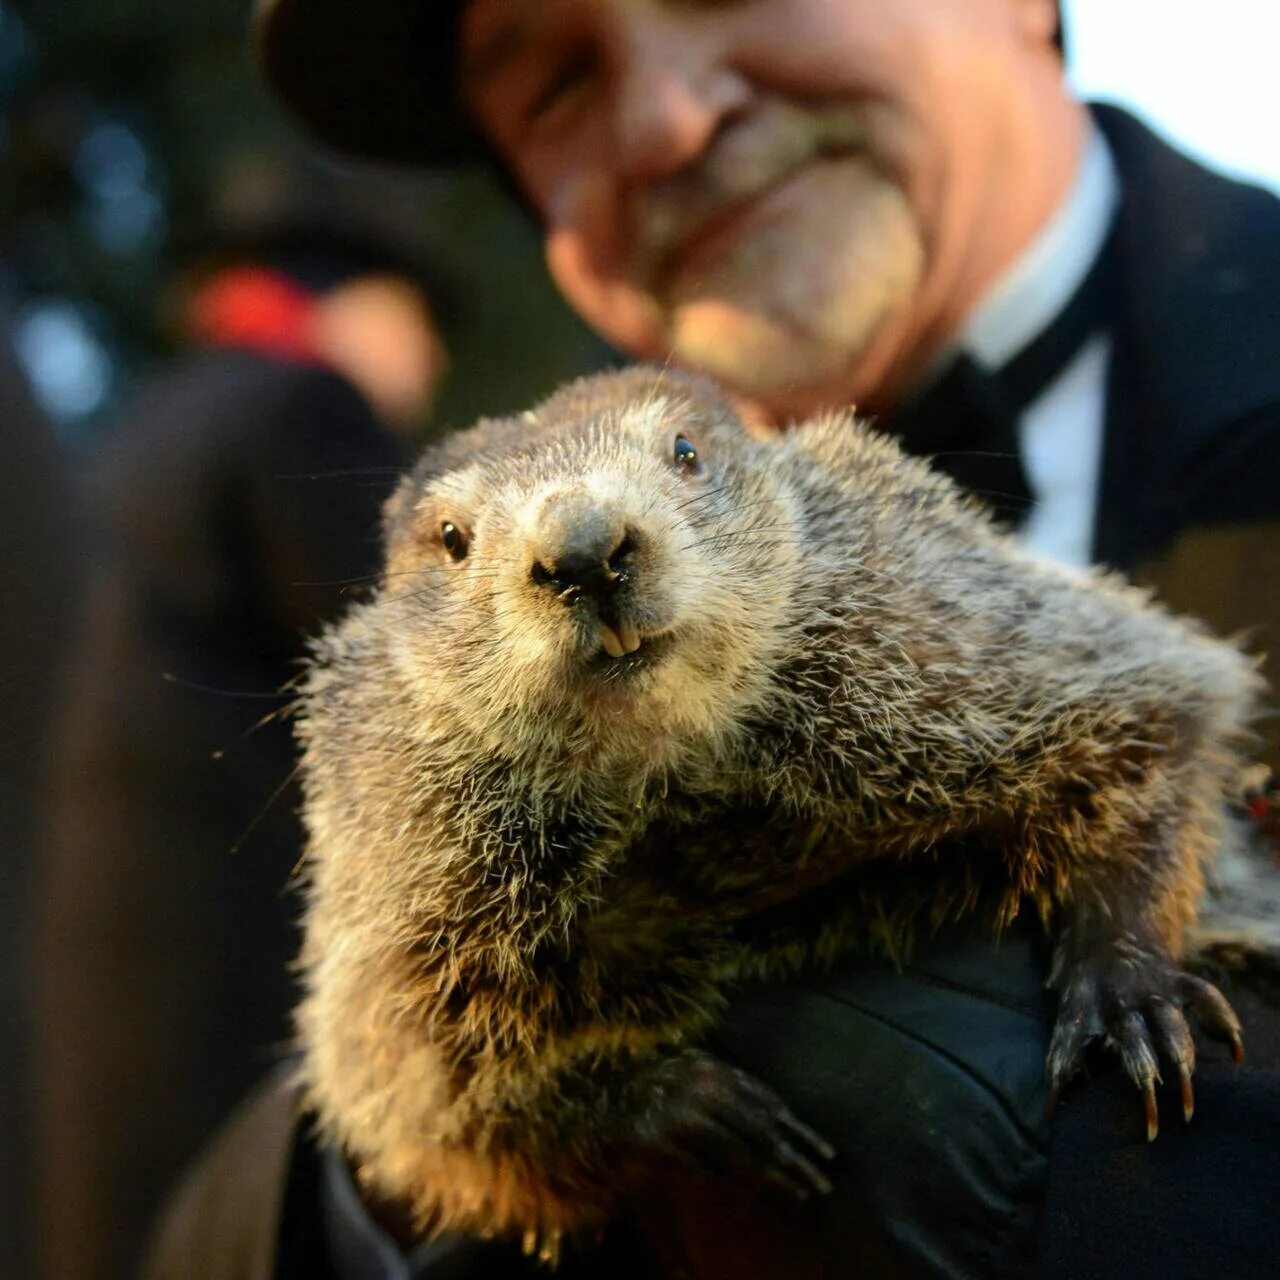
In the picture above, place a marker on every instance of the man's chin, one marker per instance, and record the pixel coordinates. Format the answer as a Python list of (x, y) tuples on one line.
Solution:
[(772, 361), (810, 284)]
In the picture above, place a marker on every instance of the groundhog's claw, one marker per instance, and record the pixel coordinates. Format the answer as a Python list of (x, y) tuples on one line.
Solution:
[(1133, 1001), (708, 1113), (1214, 1014), (545, 1245), (1185, 1092)]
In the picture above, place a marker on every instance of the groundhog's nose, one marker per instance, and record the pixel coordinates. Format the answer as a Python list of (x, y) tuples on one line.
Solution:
[(582, 553), (592, 567)]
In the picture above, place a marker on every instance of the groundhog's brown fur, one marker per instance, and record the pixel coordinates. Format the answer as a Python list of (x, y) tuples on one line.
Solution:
[(535, 869)]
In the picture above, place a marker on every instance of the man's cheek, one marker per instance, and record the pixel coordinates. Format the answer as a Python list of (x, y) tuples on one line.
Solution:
[(596, 287), (586, 224)]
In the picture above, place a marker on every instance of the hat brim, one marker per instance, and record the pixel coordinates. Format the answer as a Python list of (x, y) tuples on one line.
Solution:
[(374, 80)]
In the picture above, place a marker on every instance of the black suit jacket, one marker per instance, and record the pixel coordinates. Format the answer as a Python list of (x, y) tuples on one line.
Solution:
[(1193, 415), (1190, 496), (930, 1079)]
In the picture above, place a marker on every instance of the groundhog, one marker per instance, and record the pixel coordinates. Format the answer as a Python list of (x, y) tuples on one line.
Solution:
[(642, 707)]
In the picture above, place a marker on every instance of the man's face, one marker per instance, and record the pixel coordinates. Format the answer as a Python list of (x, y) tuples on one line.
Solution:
[(796, 196)]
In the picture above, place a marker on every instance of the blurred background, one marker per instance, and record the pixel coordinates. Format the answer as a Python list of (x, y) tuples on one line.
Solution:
[(131, 128), (155, 208), (126, 125)]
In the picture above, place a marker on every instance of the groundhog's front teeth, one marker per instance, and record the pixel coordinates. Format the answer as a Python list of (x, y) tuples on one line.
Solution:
[(610, 639), (626, 639)]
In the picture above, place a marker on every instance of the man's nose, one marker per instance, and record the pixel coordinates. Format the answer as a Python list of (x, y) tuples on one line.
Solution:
[(671, 91)]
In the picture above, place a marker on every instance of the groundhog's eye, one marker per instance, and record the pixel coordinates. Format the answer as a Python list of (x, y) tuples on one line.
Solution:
[(685, 455), (455, 542)]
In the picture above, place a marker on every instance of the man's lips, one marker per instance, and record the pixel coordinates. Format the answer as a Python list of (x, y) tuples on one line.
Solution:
[(717, 234), (701, 215)]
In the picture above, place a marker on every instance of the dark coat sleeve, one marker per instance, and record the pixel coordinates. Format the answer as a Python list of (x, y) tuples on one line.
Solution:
[(223, 1220)]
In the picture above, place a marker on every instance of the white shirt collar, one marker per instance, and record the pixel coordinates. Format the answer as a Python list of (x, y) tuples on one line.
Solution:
[(1045, 275)]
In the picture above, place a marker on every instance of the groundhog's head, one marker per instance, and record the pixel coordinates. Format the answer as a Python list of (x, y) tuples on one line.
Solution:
[(614, 566)]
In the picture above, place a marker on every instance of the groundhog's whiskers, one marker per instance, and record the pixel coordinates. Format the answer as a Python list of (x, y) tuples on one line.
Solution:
[(341, 474), (703, 495), (169, 678), (758, 536), (1014, 499), (738, 505), (362, 580), (262, 813), (973, 453)]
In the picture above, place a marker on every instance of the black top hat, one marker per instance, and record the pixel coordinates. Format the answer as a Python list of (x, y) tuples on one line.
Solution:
[(376, 80)]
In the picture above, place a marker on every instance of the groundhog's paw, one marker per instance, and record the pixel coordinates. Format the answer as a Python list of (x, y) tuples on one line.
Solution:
[(1133, 998), (703, 1112)]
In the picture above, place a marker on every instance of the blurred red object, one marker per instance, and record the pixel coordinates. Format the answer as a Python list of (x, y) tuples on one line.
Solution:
[(256, 308)]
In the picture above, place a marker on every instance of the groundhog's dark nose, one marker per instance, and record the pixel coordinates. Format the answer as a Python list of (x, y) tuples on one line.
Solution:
[(592, 566)]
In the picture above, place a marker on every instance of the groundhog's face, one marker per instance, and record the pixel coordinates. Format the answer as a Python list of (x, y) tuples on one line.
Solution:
[(593, 572)]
